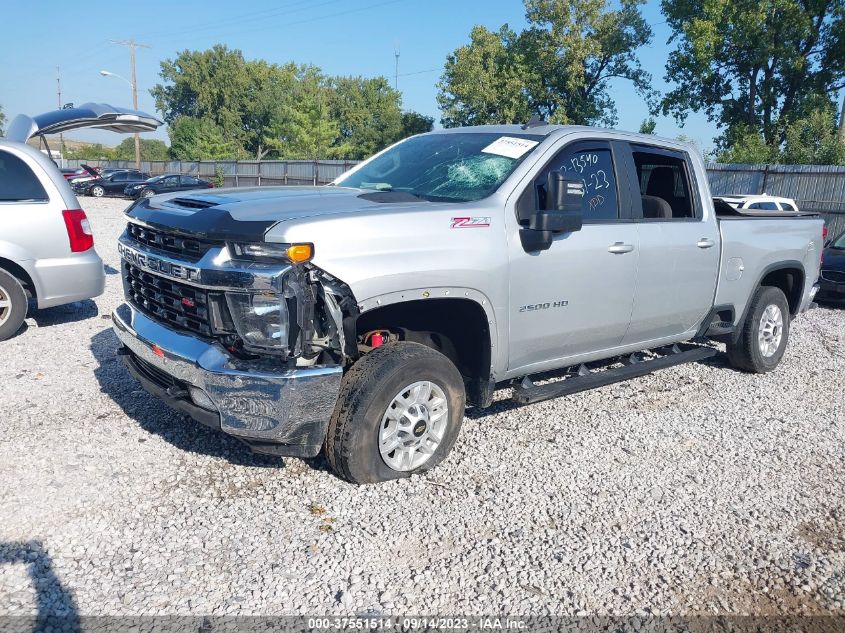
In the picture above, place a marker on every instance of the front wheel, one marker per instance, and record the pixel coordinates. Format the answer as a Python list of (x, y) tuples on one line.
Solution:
[(764, 334), (399, 413), (13, 305), (148, 193), (97, 191)]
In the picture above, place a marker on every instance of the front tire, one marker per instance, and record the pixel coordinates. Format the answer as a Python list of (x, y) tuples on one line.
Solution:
[(399, 413), (13, 305), (97, 191), (148, 193), (765, 333)]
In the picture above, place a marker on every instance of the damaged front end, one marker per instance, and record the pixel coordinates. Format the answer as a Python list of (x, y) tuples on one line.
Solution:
[(248, 338)]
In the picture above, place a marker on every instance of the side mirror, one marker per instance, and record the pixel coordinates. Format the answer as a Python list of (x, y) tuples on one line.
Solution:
[(562, 212)]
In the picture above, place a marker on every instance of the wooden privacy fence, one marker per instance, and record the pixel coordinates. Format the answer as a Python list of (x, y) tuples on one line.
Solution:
[(817, 188)]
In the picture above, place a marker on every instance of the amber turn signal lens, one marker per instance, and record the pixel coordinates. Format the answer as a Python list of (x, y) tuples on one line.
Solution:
[(299, 253)]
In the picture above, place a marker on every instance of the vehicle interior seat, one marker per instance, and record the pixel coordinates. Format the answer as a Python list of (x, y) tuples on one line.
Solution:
[(654, 207), (661, 184)]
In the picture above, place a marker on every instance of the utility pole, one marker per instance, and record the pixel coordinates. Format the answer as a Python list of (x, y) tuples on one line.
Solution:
[(396, 71), (842, 120), (61, 136), (132, 45)]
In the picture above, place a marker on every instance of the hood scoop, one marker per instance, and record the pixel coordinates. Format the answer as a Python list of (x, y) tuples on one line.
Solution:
[(193, 203)]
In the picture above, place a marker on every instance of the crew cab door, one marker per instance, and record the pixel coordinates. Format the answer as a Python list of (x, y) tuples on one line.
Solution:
[(679, 245), (576, 297)]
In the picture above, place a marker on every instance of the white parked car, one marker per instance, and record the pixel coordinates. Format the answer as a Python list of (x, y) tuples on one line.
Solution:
[(47, 251), (760, 202)]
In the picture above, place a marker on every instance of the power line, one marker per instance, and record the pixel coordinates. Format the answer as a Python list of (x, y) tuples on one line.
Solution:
[(260, 16), (132, 45)]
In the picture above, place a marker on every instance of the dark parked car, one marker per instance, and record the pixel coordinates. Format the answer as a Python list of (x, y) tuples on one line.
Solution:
[(832, 275), (165, 184), (110, 184)]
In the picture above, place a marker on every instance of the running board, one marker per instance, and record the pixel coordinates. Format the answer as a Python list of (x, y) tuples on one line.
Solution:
[(635, 366)]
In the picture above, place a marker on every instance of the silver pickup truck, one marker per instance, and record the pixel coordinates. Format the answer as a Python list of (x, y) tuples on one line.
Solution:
[(365, 315)]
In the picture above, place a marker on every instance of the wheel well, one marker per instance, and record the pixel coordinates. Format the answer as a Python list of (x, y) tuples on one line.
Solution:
[(20, 274), (791, 282), (457, 328)]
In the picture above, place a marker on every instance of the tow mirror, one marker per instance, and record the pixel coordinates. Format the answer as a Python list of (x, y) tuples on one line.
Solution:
[(561, 213)]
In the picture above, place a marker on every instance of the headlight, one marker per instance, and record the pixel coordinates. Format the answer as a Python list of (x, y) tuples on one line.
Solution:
[(261, 320), (272, 252)]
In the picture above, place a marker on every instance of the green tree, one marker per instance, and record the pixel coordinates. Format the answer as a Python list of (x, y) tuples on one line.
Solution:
[(213, 85), (560, 68), (745, 144), (95, 151), (151, 149), (368, 113), (306, 129), (752, 65), (813, 139), (198, 139), (416, 123), (648, 126)]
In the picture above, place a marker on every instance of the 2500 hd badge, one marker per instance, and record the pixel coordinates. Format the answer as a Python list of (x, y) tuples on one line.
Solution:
[(142, 260)]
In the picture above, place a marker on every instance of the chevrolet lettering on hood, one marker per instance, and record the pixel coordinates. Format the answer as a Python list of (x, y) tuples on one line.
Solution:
[(154, 264)]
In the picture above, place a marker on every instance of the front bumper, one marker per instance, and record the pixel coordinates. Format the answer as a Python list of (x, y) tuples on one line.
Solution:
[(273, 410)]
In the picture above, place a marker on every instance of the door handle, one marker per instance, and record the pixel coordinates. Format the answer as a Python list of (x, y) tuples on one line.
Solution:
[(705, 242), (620, 248)]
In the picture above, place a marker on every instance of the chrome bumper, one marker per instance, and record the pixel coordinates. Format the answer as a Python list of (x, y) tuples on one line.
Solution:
[(279, 411)]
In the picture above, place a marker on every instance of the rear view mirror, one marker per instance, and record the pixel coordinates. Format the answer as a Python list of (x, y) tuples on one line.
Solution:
[(561, 212)]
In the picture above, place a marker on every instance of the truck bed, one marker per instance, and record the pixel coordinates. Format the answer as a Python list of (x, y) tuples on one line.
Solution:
[(759, 243)]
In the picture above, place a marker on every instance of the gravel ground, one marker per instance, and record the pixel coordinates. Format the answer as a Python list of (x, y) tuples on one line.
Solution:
[(695, 490)]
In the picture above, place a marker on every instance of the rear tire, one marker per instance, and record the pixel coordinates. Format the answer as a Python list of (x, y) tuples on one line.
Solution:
[(765, 333), (13, 305), (403, 395)]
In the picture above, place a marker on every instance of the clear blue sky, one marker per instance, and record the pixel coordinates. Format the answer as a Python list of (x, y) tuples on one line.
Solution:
[(343, 37)]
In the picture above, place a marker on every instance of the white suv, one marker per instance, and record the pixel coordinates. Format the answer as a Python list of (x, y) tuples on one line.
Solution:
[(760, 202), (46, 245)]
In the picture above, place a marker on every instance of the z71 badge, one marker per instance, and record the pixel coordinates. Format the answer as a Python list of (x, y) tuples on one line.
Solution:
[(470, 223)]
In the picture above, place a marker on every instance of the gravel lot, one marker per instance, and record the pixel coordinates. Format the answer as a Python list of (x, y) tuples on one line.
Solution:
[(695, 490)]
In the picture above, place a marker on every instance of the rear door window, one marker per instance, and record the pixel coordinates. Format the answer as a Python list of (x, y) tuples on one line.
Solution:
[(664, 184), (18, 183)]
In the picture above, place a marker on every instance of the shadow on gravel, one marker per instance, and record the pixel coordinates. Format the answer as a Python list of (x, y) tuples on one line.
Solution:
[(156, 417), (111, 270), (77, 311), (56, 607)]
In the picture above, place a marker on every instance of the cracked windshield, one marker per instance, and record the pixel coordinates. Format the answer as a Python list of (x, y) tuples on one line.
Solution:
[(451, 167)]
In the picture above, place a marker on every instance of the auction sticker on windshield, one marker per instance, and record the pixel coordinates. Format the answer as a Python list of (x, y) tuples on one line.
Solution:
[(510, 146)]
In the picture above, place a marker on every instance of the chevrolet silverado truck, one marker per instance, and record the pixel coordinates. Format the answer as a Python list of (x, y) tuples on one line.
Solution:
[(363, 316)]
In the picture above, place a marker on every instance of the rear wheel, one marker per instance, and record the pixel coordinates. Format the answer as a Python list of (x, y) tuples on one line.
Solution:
[(13, 305), (762, 341), (399, 413), (97, 191)]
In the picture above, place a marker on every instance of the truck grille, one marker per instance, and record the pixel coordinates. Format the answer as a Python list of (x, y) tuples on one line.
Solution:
[(188, 248), (178, 305), (835, 276)]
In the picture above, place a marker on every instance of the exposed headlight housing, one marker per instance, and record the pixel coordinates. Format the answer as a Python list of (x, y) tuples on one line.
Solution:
[(261, 320)]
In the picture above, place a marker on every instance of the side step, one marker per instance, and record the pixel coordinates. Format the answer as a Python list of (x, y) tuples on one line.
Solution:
[(635, 366)]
